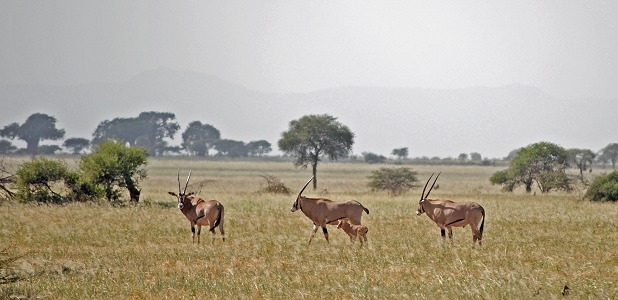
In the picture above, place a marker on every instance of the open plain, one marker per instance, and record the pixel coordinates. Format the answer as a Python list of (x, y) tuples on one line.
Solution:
[(533, 245)]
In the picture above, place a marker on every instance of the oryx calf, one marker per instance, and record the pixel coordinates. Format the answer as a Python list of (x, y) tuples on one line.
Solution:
[(323, 211), (354, 230), (447, 214), (200, 212)]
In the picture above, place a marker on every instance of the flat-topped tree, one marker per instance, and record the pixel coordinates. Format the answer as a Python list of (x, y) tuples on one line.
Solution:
[(37, 127), (314, 136)]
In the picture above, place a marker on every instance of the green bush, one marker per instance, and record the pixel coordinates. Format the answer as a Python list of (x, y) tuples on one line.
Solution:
[(114, 167), (396, 181), (41, 180), (50, 181), (604, 188)]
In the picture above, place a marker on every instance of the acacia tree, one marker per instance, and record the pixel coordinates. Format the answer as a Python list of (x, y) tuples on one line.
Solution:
[(37, 127), (401, 153), (582, 158), (6, 147), (313, 136), (542, 163), (199, 138), (157, 127), (231, 148), (115, 166), (610, 153), (76, 144), (148, 130), (259, 148)]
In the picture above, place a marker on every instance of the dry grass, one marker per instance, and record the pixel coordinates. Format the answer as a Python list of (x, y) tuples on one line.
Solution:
[(533, 245)]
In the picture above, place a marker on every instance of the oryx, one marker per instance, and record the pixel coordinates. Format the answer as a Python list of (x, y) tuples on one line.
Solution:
[(200, 212), (323, 211), (447, 214)]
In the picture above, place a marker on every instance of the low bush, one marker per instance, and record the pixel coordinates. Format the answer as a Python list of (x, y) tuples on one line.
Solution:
[(604, 188), (396, 181)]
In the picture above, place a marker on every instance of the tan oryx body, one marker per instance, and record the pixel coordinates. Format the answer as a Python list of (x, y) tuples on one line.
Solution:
[(200, 212), (323, 211), (354, 231), (447, 214)]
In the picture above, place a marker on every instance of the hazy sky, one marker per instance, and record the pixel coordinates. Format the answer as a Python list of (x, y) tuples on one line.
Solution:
[(566, 48)]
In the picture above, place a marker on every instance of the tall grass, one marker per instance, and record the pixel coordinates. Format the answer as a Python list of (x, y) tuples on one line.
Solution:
[(532, 245)]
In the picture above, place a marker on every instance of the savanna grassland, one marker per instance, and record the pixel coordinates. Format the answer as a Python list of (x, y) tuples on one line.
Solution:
[(533, 245)]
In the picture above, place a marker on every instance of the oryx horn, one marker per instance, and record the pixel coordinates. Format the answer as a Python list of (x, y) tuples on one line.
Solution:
[(306, 184), (178, 173), (422, 194), (434, 183), (187, 184)]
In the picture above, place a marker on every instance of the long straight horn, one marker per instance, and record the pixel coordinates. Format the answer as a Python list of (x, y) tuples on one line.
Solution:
[(187, 184), (423, 193), (179, 191), (306, 184), (434, 183)]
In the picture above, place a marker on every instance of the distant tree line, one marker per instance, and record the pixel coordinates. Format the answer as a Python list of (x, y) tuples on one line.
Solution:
[(154, 130), (150, 130)]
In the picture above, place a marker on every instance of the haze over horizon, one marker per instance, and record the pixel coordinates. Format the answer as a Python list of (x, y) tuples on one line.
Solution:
[(565, 49)]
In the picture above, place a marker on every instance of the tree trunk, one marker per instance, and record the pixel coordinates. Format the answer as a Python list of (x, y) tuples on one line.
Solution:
[(134, 193), (32, 146), (314, 166)]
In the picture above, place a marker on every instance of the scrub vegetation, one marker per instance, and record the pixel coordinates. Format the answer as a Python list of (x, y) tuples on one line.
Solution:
[(533, 245)]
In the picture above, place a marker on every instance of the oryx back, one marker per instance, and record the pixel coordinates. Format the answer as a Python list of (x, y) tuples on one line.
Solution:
[(447, 214)]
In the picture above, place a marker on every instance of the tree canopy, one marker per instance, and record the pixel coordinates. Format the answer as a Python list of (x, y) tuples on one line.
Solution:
[(148, 130), (610, 153), (313, 136), (76, 145), (401, 153), (36, 128), (582, 158), (542, 163), (198, 138), (115, 166), (259, 148)]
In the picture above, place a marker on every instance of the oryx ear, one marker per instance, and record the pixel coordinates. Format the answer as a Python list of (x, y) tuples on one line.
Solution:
[(173, 194)]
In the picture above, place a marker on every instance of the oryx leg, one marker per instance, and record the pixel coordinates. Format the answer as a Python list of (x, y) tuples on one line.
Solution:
[(443, 233), (315, 229), (193, 233), (476, 235), (199, 230), (221, 230), (325, 232), (450, 233)]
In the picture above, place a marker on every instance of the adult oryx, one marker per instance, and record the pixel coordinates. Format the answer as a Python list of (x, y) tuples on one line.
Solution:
[(447, 214), (323, 211), (200, 212)]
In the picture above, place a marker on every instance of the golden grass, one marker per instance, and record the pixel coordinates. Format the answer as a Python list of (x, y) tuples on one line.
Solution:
[(533, 245)]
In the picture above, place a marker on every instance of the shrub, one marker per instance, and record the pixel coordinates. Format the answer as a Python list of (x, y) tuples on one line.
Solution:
[(114, 166), (50, 181), (395, 181), (604, 188), (274, 185), (373, 158), (41, 180)]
